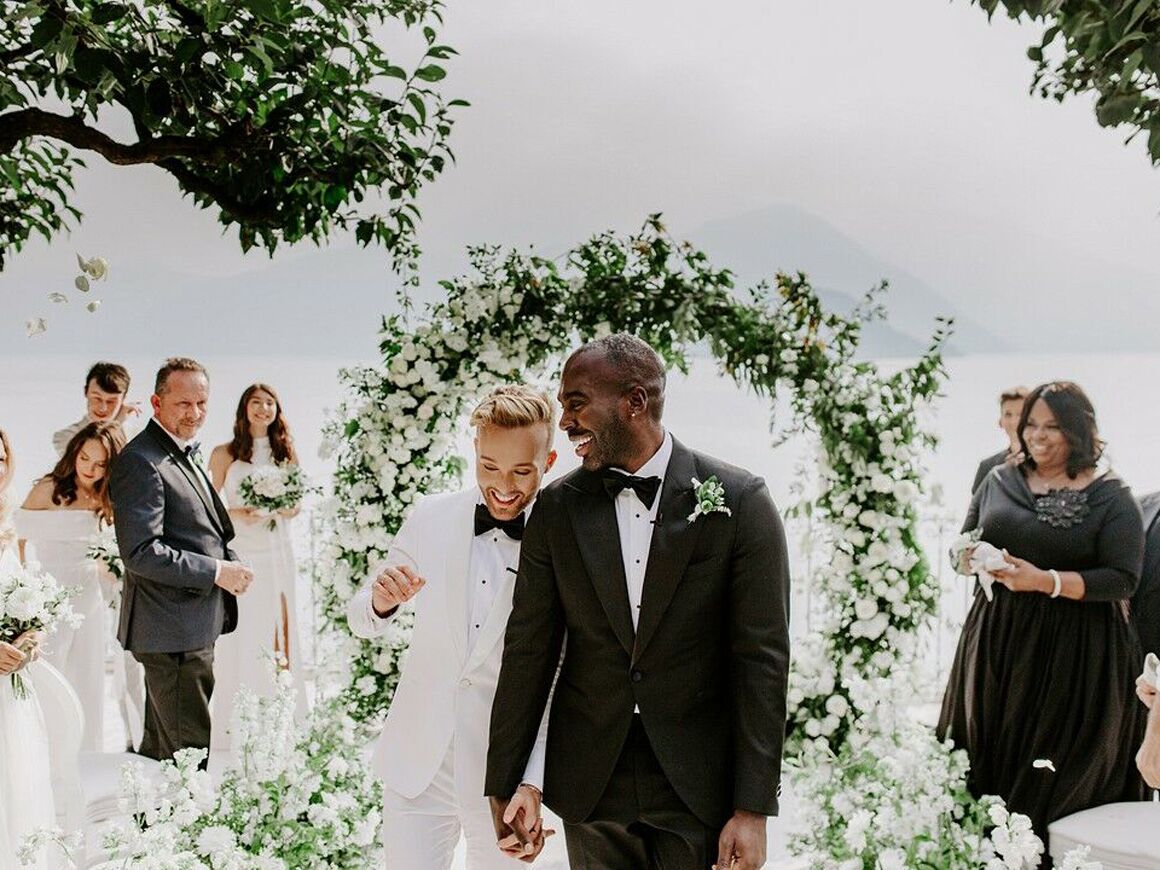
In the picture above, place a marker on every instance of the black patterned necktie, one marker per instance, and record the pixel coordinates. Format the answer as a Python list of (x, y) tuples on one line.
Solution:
[(485, 522), (646, 488)]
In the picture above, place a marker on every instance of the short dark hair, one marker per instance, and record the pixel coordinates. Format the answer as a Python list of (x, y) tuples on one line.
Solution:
[(176, 364), (635, 364), (110, 377), (1076, 417), (1012, 394)]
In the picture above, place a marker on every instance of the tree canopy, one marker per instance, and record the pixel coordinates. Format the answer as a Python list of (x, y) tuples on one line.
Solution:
[(288, 117), (1109, 48)]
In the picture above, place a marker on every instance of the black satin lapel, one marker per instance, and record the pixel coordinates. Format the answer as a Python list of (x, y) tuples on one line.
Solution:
[(598, 537), (672, 544)]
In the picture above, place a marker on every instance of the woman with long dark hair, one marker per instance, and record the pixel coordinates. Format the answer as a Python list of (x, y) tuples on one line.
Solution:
[(1045, 672), (63, 512), (267, 620)]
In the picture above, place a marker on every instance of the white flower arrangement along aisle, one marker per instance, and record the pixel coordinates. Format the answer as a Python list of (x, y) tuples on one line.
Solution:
[(878, 791)]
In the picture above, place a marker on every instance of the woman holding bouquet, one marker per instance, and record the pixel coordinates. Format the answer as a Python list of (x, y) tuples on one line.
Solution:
[(61, 515), (267, 619), (1045, 671), (26, 801)]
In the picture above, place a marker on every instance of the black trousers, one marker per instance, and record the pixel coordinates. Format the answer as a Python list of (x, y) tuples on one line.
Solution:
[(640, 822), (178, 687)]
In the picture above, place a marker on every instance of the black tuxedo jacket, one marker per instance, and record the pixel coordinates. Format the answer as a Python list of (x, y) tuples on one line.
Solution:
[(1146, 601), (171, 533), (707, 665)]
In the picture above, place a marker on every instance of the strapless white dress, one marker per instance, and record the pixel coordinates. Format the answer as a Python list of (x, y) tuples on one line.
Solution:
[(58, 540), (25, 778), (267, 614)]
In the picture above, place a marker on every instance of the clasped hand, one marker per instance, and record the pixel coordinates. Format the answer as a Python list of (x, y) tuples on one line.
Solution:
[(1022, 576), (22, 650), (519, 827)]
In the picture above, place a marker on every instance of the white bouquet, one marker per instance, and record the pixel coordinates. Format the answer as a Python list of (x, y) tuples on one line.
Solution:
[(32, 600), (104, 551), (272, 488)]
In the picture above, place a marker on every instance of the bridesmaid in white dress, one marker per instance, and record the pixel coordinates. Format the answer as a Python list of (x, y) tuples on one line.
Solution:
[(267, 619), (25, 778), (55, 524)]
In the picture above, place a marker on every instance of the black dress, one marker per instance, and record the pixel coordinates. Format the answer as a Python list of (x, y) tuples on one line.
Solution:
[(1036, 677)]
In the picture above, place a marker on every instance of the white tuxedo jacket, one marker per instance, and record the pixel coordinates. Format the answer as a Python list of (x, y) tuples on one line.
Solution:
[(444, 696)]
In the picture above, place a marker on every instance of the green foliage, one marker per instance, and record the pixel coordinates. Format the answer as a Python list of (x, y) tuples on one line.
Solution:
[(1107, 48), (287, 117)]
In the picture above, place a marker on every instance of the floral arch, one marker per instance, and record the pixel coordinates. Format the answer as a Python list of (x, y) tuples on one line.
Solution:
[(878, 789)]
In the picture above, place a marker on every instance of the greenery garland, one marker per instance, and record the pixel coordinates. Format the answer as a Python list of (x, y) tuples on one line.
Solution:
[(516, 318)]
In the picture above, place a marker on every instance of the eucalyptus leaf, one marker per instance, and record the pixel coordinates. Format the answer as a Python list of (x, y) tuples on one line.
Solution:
[(82, 283)]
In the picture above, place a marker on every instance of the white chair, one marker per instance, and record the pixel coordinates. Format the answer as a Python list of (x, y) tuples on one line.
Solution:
[(1122, 836)]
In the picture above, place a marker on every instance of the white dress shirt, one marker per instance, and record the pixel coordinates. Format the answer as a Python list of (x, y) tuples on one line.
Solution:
[(492, 555), (635, 521)]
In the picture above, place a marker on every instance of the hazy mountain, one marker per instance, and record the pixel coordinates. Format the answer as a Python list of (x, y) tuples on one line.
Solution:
[(329, 302), (786, 238)]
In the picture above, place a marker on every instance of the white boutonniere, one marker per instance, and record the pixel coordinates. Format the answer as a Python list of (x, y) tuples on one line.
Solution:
[(710, 497)]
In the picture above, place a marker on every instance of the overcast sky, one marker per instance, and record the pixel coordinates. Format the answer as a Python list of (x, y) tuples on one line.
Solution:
[(905, 124)]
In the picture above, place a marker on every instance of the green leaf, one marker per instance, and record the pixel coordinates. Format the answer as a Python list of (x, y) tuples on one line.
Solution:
[(430, 73)]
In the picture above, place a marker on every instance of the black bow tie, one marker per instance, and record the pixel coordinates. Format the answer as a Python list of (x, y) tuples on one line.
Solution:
[(193, 450), (485, 522), (644, 487)]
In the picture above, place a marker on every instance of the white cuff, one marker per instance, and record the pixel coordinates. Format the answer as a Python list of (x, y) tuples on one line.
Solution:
[(217, 571), (534, 771)]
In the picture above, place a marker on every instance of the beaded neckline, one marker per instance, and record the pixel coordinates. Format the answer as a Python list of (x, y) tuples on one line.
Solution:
[(1062, 508)]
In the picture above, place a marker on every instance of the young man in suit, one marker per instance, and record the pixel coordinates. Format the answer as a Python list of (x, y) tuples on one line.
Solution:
[(666, 725), (455, 557), (180, 574)]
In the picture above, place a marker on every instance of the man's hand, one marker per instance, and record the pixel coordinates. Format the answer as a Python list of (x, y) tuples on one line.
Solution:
[(742, 842), (394, 586), (234, 577), (514, 836)]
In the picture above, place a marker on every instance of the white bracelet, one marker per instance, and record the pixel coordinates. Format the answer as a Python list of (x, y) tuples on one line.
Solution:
[(1058, 582)]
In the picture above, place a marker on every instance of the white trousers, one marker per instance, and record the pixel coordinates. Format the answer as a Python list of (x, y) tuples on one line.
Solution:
[(421, 833)]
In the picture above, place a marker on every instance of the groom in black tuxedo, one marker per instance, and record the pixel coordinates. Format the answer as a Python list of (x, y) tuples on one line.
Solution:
[(668, 716)]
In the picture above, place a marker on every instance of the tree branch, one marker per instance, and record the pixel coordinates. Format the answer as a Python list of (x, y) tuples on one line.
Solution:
[(21, 124), (242, 212)]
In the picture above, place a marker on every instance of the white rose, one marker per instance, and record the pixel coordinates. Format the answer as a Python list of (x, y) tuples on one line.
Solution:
[(865, 608), (24, 603), (97, 268)]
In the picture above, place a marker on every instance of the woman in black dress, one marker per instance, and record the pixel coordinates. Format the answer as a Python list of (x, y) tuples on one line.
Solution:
[(1046, 670)]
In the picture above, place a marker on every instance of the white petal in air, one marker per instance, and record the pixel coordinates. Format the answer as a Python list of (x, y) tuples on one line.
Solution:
[(82, 283), (35, 326), (93, 306), (57, 297), (80, 262), (1043, 764)]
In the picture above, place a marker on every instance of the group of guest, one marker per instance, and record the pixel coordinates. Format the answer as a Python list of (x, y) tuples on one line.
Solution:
[(1041, 691), (62, 514)]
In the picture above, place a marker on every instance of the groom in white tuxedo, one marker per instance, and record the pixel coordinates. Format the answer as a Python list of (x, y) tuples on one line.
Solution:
[(456, 557)]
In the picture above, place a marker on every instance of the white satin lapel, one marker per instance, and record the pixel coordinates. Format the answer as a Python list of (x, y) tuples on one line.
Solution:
[(496, 623), (458, 533)]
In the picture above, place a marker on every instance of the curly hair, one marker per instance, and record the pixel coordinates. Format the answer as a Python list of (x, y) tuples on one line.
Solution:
[(64, 475), (281, 441), (1076, 417)]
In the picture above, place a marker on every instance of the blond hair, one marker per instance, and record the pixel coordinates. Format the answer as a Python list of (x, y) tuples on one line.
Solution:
[(513, 406)]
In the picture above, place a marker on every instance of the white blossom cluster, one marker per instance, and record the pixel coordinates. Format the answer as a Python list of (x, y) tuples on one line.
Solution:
[(393, 440), (293, 798), (32, 600)]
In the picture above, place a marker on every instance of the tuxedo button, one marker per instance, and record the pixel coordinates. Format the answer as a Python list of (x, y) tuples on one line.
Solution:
[(465, 683), (637, 676)]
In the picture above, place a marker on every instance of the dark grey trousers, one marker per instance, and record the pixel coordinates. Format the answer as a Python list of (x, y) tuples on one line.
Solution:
[(178, 687), (640, 822)]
